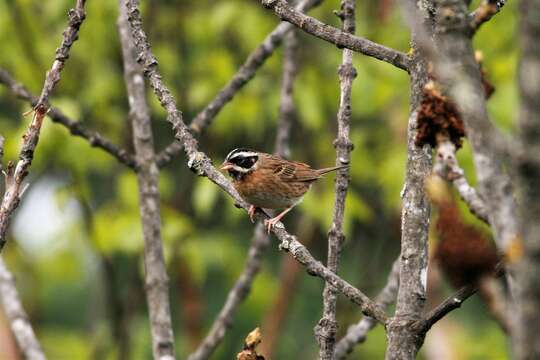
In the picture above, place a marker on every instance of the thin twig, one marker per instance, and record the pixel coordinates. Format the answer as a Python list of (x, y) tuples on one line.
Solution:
[(246, 72), (325, 330), (15, 176), (448, 168), (336, 36), (201, 164), (357, 333), (20, 325), (451, 303), (76, 128), (485, 11), (156, 279), (236, 296)]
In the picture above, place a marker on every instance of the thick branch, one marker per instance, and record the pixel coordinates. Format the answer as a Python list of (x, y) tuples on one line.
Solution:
[(335, 36), (236, 296), (459, 73), (76, 128), (201, 164), (325, 331), (447, 167), (18, 320), (246, 72), (14, 188), (357, 333), (528, 169), (402, 342), (156, 279)]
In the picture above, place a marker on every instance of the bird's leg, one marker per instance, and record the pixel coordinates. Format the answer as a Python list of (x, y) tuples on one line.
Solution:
[(273, 221), (251, 212)]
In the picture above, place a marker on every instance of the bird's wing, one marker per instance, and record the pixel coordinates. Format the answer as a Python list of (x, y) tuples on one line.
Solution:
[(291, 171)]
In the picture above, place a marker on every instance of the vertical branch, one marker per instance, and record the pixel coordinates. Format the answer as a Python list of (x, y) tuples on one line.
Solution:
[(325, 331), (156, 279), (403, 343), (16, 175), (528, 166)]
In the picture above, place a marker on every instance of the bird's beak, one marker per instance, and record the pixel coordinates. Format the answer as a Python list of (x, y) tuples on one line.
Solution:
[(226, 166)]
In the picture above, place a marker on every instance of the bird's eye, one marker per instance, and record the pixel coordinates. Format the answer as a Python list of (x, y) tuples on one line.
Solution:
[(246, 162)]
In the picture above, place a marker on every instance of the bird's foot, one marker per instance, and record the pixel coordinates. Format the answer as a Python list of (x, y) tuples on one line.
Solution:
[(251, 212), (269, 223)]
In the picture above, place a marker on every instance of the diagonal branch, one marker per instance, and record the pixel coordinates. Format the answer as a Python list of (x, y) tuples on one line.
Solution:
[(260, 241), (246, 72), (238, 293), (74, 127), (15, 176), (201, 164), (447, 167), (335, 36), (451, 303), (485, 11), (156, 279), (325, 330), (27, 341)]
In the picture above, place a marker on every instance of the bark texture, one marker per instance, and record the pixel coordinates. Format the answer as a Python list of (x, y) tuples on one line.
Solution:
[(16, 175), (325, 331), (527, 345), (335, 36), (27, 341), (402, 342), (156, 279)]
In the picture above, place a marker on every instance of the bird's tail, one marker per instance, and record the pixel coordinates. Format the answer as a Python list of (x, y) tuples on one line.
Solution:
[(334, 168)]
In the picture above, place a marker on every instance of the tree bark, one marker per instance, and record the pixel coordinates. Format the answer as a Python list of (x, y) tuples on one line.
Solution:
[(156, 279)]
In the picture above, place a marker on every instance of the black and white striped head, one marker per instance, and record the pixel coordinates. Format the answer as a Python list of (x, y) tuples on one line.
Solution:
[(240, 162)]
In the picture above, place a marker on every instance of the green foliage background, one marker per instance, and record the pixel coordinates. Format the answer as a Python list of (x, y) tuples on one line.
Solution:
[(66, 274)]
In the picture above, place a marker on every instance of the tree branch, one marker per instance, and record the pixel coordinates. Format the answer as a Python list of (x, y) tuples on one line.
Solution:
[(325, 331), (20, 325), (451, 303), (201, 164), (459, 73), (156, 279), (485, 11), (246, 72), (15, 176), (75, 127), (236, 296), (335, 36), (260, 241), (402, 342), (447, 167), (357, 333), (527, 326)]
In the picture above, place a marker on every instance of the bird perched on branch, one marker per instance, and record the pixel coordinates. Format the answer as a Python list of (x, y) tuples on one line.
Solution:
[(270, 182)]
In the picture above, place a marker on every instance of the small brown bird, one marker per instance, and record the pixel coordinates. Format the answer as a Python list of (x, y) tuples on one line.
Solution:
[(270, 182)]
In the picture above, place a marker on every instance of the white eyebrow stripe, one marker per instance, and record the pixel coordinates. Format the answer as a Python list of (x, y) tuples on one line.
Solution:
[(243, 154)]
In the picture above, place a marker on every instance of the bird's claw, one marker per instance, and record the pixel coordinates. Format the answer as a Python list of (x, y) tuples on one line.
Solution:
[(251, 212), (270, 223)]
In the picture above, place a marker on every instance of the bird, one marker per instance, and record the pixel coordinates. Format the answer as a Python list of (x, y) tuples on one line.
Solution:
[(268, 181)]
